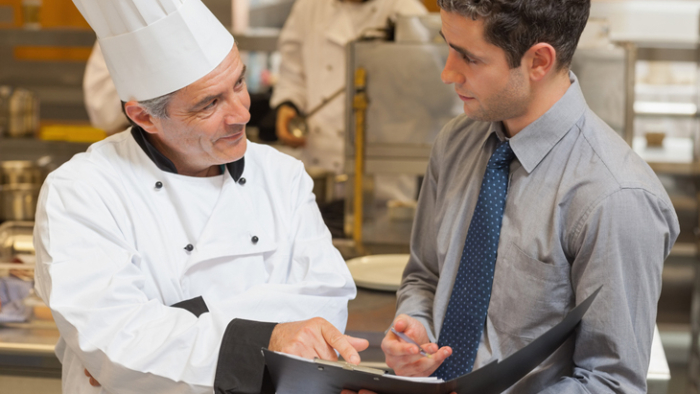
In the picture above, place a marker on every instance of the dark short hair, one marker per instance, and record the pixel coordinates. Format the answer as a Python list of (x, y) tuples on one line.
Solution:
[(516, 25)]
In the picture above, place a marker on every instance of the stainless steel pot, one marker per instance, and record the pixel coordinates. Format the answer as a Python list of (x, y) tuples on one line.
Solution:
[(17, 172), (18, 201)]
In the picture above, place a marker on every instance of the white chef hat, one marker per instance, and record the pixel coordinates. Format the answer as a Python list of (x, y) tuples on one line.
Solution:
[(155, 47)]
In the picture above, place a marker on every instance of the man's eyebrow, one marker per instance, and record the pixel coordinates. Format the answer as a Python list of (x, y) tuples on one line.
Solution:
[(207, 99), (460, 50)]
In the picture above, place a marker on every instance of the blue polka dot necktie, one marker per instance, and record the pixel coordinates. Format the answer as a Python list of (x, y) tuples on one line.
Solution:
[(469, 302)]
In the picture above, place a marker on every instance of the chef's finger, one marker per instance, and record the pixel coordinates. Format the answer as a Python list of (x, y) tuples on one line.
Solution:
[(338, 341), (359, 344)]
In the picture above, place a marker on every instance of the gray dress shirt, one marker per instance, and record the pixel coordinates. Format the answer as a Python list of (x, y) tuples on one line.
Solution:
[(583, 210)]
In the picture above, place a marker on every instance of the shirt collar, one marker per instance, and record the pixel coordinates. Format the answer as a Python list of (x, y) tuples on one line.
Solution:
[(535, 141), (164, 164)]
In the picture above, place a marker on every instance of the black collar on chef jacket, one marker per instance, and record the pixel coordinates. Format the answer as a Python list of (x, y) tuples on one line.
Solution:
[(234, 168)]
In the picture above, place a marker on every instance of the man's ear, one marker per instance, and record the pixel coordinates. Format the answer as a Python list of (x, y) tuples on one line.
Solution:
[(141, 117), (540, 60)]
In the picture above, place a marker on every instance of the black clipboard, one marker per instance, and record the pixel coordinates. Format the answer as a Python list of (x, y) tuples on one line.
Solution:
[(292, 375)]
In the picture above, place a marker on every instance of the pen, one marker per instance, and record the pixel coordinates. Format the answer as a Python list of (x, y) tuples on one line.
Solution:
[(406, 338)]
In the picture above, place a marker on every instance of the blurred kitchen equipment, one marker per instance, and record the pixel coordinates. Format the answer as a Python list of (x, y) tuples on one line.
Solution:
[(401, 210), (20, 182), (5, 93), (18, 202), (298, 126), (23, 113), (401, 120), (378, 272), (324, 183), (31, 14), (16, 239), (655, 139), (15, 172)]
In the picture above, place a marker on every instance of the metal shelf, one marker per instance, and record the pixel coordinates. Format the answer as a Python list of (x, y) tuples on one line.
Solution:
[(47, 37)]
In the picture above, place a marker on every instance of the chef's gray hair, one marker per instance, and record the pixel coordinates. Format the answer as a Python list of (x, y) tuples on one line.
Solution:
[(516, 25), (158, 106)]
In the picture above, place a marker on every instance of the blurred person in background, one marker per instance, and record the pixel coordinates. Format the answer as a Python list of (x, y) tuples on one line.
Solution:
[(101, 99), (313, 67)]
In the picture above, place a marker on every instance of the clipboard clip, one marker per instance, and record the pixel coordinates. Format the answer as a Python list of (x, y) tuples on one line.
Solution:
[(350, 367)]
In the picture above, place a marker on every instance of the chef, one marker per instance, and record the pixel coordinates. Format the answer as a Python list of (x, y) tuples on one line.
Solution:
[(172, 252), (312, 45)]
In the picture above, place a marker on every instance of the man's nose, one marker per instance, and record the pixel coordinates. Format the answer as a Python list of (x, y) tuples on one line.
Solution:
[(450, 74)]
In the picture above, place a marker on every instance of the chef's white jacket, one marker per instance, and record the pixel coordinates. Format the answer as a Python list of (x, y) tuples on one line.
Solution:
[(117, 246), (312, 46)]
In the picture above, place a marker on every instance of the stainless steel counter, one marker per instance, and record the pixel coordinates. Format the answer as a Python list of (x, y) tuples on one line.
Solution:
[(28, 349)]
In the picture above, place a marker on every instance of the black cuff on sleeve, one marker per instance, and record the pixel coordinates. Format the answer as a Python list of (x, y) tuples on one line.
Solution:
[(289, 103), (241, 365), (195, 305)]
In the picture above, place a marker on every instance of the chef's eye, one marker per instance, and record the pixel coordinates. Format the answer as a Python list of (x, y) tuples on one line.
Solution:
[(240, 83), (211, 105)]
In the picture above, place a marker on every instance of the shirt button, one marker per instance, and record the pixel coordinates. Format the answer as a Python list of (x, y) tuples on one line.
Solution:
[(159, 185), (189, 247), (242, 181), (255, 239)]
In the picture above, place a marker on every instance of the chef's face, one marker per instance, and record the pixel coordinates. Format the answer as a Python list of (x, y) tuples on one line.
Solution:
[(206, 120), (490, 89)]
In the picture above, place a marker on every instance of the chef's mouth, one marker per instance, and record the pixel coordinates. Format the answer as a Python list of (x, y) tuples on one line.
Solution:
[(236, 134)]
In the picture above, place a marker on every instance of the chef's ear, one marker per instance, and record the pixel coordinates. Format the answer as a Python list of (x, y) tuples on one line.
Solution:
[(140, 116)]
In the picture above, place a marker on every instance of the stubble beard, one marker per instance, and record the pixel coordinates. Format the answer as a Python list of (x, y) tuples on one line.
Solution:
[(509, 103)]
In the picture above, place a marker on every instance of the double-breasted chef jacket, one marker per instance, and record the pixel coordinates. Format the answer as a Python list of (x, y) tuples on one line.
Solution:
[(163, 283)]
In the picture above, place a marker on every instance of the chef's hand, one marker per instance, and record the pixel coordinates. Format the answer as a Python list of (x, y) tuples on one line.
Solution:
[(404, 358), (93, 382), (316, 338), (285, 113)]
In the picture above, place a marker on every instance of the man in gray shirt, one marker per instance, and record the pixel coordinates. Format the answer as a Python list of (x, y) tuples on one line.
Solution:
[(581, 210)]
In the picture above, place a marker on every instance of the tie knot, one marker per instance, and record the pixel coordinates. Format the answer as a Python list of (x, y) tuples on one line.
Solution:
[(502, 156)]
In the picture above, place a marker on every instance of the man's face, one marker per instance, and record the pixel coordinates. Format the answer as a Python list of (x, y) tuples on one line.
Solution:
[(206, 122), (490, 89)]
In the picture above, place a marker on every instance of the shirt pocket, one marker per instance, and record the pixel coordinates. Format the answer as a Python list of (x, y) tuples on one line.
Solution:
[(529, 296)]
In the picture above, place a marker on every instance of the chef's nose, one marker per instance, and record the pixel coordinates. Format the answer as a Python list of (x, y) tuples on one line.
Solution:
[(238, 111), (450, 74)]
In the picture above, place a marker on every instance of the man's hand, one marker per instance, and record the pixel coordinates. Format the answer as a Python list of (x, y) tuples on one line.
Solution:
[(316, 338), (93, 382), (285, 113), (404, 358)]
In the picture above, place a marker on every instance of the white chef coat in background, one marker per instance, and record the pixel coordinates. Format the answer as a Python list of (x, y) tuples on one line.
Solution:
[(312, 45), (111, 258), (102, 102)]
